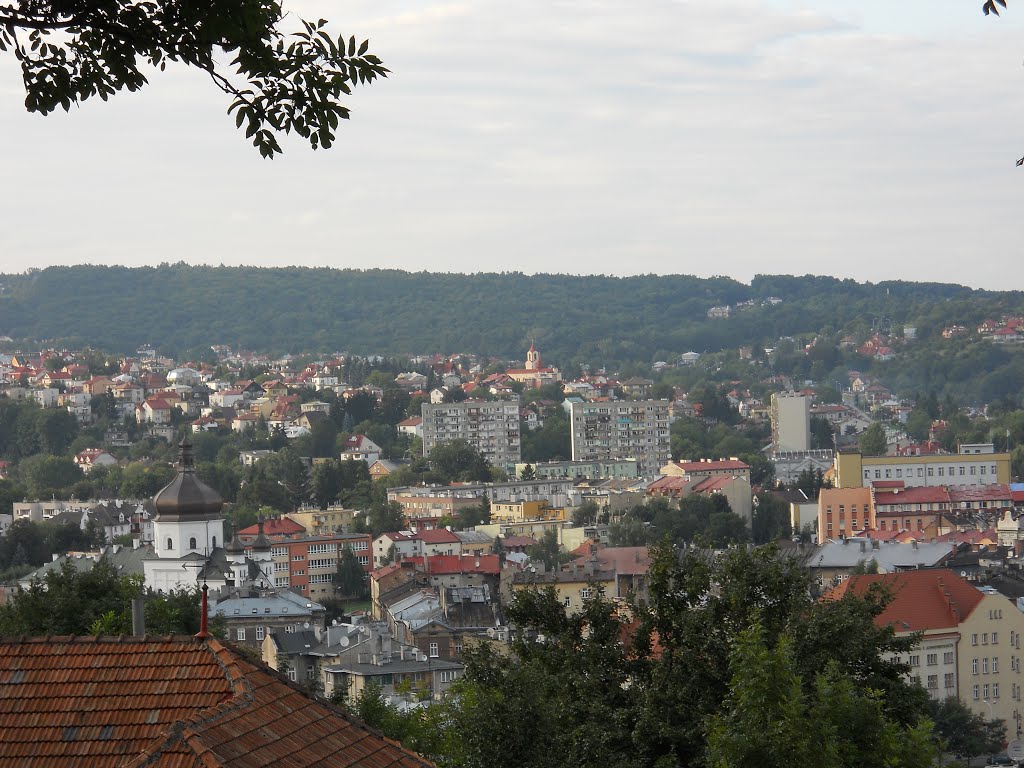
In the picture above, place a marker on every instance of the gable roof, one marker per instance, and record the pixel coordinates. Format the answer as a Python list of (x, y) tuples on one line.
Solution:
[(168, 702), (928, 599)]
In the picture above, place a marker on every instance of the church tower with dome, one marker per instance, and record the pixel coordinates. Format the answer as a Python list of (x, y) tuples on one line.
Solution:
[(187, 528)]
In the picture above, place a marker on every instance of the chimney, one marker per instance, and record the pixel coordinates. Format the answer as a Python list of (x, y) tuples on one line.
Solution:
[(138, 617)]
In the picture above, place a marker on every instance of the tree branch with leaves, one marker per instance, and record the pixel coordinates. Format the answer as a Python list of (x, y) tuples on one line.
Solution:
[(280, 81)]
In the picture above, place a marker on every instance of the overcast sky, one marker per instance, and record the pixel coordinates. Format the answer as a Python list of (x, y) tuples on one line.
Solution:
[(873, 139)]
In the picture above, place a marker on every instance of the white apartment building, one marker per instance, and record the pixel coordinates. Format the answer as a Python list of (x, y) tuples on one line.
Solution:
[(492, 427), (623, 429)]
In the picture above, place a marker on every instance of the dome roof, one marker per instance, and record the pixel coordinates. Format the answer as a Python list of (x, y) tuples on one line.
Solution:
[(186, 497)]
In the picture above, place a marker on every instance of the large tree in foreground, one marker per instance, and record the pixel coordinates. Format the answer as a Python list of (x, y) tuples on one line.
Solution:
[(279, 80)]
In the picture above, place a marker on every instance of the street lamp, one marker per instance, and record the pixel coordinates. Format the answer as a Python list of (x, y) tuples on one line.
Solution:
[(991, 713)]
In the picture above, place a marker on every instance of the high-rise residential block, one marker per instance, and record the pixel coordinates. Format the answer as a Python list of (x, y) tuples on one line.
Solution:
[(621, 429)]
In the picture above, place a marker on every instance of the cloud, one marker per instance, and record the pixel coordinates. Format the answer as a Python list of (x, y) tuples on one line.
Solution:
[(607, 136)]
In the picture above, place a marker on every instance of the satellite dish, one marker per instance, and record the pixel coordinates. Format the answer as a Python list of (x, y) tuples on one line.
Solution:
[(344, 641), (964, 574), (306, 625)]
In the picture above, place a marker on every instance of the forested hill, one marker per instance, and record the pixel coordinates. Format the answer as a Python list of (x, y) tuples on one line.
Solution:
[(595, 319)]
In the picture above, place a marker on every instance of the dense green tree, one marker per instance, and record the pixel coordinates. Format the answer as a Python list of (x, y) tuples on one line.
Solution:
[(821, 434), (919, 424), (551, 442), (771, 519), (282, 77), (383, 517), (548, 551), (43, 475), (586, 513), (459, 461), (963, 732), (350, 579), (872, 441), (528, 473)]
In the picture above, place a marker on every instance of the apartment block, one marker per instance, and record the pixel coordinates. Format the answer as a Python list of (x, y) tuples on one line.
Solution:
[(625, 429), (973, 465), (492, 427)]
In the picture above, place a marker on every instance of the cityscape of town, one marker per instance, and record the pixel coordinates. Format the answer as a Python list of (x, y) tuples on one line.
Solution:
[(372, 527)]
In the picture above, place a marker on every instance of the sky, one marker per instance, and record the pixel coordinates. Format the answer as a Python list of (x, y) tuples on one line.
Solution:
[(872, 139)]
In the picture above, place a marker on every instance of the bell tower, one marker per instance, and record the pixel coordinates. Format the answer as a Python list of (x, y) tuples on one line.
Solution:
[(533, 358)]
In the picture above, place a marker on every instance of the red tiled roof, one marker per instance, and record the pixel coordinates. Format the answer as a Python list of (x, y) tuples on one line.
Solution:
[(167, 702), (927, 599), (969, 537), (712, 484), (626, 561), (274, 526), (518, 541), (437, 536), (918, 495), (994, 492)]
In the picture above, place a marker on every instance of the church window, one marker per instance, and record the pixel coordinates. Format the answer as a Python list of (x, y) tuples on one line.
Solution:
[(170, 544), (192, 543), (214, 541)]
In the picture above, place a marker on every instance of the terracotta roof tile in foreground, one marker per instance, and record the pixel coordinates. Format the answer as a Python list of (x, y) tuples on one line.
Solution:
[(169, 702)]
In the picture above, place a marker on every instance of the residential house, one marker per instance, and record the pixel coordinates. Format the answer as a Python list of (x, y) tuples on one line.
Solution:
[(361, 448), (969, 643), (170, 701), (93, 457)]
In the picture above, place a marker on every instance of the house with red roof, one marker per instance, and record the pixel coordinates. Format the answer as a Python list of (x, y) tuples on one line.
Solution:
[(93, 457), (970, 638), (169, 702), (274, 528), (153, 410)]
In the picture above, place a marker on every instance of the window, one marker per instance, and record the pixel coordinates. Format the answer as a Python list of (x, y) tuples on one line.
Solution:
[(931, 471), (240, 633), (984, 691), (170, 545), (458, 649), (984, 638), (915, 661), (585, 594), (933, 682), (974, 666), (433, 651), (972, 470), (995, 665), (447, 676), (995, 637), (948, 680), (961, 470), (878, 474), (567, 602), (933, 659), (974, 639), (947, 657), (984, 666), (311, 672), (192, 543), (290, 628), (213, 542), (888, 473), (292, 676), (995, 690), (899, 473), (260, 633), (974, 691)]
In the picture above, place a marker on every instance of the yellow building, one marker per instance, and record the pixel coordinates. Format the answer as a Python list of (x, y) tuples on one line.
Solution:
[(522, 511), (970, 642), (320, 522), (572, 587), (973, 465)]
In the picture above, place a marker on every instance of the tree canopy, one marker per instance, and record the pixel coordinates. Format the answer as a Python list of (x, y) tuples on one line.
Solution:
[(279, 80)]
